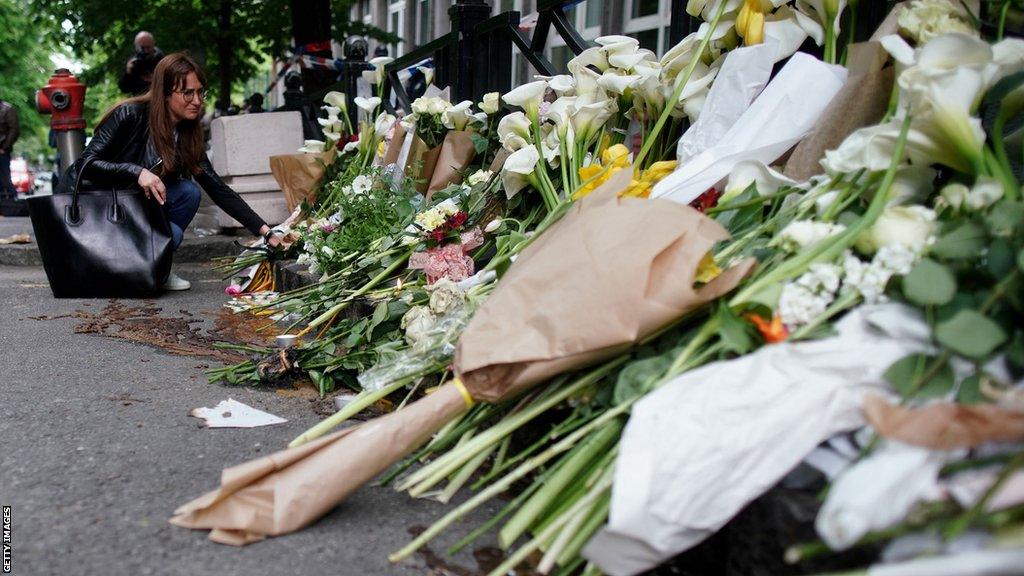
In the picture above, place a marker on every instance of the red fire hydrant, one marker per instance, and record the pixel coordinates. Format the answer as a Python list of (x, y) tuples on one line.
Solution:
[(64, 98)]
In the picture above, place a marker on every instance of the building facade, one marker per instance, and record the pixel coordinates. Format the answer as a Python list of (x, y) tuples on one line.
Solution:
[(417, 22)]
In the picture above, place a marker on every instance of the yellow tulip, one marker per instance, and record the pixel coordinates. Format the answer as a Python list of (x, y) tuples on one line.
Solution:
[(707, 269)]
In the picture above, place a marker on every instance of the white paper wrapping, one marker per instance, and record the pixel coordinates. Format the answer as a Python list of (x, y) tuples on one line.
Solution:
[(785, 112), (702, 446), (878, 492), (981, 563), (743, 75)]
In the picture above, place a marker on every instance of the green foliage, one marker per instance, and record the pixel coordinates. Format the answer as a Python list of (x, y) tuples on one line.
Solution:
[(906, 373), (929, 283), (24, 68), (101, 32), (964, 241), (970, 334)]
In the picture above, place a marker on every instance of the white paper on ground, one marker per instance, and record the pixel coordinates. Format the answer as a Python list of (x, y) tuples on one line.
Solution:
[(786, 111), (231, 413), (878, 492), (702, 446), (981, 563), (743, 75)]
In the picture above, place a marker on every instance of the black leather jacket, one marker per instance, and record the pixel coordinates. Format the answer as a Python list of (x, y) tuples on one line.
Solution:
[(122, 148)]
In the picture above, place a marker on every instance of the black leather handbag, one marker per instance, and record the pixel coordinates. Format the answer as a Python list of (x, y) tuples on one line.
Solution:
[(102, 243)]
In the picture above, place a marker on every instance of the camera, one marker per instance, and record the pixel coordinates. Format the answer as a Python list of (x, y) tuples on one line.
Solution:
[(145, 62)]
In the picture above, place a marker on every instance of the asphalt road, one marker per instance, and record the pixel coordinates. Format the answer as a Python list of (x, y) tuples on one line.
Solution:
[(97, 450)]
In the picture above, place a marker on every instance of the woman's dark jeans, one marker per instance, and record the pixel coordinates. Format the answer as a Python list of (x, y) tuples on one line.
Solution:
[(181, 206)]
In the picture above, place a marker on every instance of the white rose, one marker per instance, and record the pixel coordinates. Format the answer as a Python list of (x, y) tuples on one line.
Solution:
[(478, 177), (361, 184), (805, 233), (438, 106), (954, 194), (445, 296), (908, 226), (490, 102), (493, 225), (420, 105), (984, 193), (417, 323)]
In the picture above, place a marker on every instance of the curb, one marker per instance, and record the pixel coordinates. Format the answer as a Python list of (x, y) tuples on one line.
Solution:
[(191, 250)]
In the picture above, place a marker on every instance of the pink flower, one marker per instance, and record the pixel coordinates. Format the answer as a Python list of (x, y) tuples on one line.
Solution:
[(233, 290)]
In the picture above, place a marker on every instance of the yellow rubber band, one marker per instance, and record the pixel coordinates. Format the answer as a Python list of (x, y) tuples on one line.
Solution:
[(466, 396)]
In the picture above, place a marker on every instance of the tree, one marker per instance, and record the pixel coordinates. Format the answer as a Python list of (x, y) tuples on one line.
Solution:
[(24, 68), (229, 37)]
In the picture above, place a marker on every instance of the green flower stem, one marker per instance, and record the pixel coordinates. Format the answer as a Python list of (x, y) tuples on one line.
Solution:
[(680, 86), (1001, 29), (958, 526), (463, 475), (567, 470), (508, 480), (439, 469), (595, 518), (1000, 162), (326, 316), (361, 402), (548, 533), (830, 250), (505, 511)]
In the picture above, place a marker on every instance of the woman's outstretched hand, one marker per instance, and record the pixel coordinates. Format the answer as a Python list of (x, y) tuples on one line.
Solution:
[(274, 241), (153, 186)]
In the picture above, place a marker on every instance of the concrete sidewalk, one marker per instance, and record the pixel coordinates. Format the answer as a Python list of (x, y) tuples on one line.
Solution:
[(193, 249), (97, 450)]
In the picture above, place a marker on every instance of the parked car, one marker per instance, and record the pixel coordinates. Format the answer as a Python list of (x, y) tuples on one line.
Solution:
[(22, 177), (44, 184)]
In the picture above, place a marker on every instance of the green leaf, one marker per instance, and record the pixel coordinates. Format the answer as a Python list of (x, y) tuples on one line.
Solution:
[(1015, 349), (929, 283), (733, 330), (638, 376), (905, 373), (970, 334), (479, 143), (999, 259), (970, 391), (1020, 260), (739, 220), (964, 241), (1006, 218)]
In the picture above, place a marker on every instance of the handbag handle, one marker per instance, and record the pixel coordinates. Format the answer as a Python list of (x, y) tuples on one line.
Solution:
[(73, 214)]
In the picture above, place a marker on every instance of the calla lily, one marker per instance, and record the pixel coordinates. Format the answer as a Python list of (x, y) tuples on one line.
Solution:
[(748, 172), (590, 57), (517, 172), (562, 84), (528, 97), (368, 105), (790, 28), (383, 124), (586, 82), (336, 99), (707, 9), (618, 83), (457, 117), (514, 131), (827, 12), (376, 76), (313, 146), (588, 114)]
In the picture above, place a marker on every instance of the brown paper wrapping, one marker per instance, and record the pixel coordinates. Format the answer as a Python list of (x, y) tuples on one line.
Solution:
[(394, 147), (862, 101), (290, 489), (298, 175), (611, 272), (945, 426), (456, 153), (426, 157)]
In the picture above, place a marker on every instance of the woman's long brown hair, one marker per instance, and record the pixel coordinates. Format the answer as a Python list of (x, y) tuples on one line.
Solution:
[(171, 74)]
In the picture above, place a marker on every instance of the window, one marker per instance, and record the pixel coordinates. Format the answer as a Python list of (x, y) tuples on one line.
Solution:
[(560, 56), (643, 8), (593, 13), (396, 24), (648, 39), (424, 23)]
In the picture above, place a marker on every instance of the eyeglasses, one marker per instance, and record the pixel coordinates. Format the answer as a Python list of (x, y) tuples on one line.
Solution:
[(190, 94)]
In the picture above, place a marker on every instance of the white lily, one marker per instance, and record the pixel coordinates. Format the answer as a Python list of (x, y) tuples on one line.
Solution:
[(618, 83), (589, 113), (707, 9), (590, 57), (336, 99), (457, 117), (826, 12), (367, 104), (376, 76), (514, 131), (747, 172), (383, 124), (790, 28), (562, 84), (313, 146), (517, 172), (528, 97)]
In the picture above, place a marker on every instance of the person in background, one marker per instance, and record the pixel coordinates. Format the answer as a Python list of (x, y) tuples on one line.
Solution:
[(155, 141), (10, 130), (254, 105), (138, 72)]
